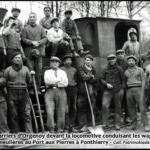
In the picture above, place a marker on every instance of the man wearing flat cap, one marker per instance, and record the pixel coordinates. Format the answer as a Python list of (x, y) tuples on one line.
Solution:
[(69, 26), (114, 83), (132, 46), (18, 78), (86, 73), (71, 91), (135, 82), (34, 39), (15, 14), (61, 42), (147, 81), (55, 97), (122, 62)]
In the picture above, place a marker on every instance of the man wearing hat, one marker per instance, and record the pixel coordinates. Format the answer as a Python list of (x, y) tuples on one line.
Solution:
[(86, 73), (12, 39), (147, 81), (69, 26), (122, 62), (71, 91), (15, 14), (132, 47), (17, 79), (135, 93), (114, 83), (60, 40), (45, 22), (34, 39), (55, 97)]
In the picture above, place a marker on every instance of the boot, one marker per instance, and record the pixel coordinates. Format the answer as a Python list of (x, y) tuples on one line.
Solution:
[(146, 128), (117, 127), (84, 128), (75, 54), (82, 52), (72, 129), (132, 127)]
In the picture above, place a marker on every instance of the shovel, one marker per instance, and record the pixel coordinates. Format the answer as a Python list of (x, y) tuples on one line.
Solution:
[(38, 103), (94, 129)]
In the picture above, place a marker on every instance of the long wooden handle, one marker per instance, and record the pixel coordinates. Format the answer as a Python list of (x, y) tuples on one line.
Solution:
[(93, 118), (38, 103), (35, 121)]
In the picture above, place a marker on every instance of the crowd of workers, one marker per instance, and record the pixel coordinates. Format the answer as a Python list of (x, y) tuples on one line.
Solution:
[(66, 96)]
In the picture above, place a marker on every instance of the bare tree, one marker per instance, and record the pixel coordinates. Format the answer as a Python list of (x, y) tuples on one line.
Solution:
[(134, 7)]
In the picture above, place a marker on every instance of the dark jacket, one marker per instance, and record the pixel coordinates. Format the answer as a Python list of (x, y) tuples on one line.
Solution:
[(85, 75), (30, 34), (113, 75)]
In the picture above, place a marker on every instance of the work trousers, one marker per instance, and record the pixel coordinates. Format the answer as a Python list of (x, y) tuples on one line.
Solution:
[(71, 108), (106, 100), (60, 49), (55, 101), (19, 110), (3, 113), (77, 42), (36, 65), (135, 98), (83, 107)]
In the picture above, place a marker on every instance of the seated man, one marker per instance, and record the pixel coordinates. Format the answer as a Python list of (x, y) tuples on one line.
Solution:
[(59, 39), (69, 26)]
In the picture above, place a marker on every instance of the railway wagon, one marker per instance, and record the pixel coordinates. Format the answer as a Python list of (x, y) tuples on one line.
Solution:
[(103, 36)]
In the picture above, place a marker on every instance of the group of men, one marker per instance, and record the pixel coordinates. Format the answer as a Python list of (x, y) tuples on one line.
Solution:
[(66, 93)]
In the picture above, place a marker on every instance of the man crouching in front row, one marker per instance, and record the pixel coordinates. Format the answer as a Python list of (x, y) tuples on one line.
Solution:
[(135, 90)]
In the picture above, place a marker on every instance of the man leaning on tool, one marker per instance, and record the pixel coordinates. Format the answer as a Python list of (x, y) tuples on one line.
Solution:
[(86, 73), (135, 93), (114, 82), (18, 77), (55, 97)]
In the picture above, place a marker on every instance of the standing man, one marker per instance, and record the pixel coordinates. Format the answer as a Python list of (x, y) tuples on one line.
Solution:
[(86, 73), (17, 78), (69, 26), (45, 22), (132, 47), (59, 40), (55, 97), (71, 91), (12, 39), (15, 14), (3, 105), (114, 83), (122, 62), (34, 39), (135, 93)]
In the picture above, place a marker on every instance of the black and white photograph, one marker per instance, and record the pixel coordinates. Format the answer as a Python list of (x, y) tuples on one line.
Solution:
[(74, 74)]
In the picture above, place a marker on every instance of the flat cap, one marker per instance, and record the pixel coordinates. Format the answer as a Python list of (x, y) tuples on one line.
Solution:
[(132, 56), (53, 20), (15, 54), (89, 56), (54, 58), (67, 56), (132, 33), (15, 9), (68, 12), (120, 51), (111, 56)]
